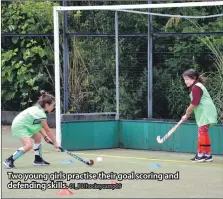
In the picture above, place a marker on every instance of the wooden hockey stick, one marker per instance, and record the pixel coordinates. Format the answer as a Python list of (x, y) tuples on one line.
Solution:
[(159, 140)]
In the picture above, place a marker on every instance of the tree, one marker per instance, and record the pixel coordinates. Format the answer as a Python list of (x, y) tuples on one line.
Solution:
[(26, 62)]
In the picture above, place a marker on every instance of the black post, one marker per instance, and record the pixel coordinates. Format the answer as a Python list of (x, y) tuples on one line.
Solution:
[(65, 58), (150, 66)]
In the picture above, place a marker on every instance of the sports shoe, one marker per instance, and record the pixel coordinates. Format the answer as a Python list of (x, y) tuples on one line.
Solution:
[(9, 163), (208, 159), (40, 161), (198, 159)]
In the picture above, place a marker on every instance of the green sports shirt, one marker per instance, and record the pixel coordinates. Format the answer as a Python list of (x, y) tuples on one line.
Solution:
[(31, 119), (205, 112)]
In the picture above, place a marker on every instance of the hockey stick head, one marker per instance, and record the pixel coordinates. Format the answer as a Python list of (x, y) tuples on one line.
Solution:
[(159, 139), (91, 162)]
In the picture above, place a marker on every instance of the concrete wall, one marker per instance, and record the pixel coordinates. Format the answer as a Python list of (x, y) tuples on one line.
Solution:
[(8, 116)]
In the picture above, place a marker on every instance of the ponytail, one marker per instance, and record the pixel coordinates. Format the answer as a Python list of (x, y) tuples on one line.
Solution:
[(45, 98), (202, 79)]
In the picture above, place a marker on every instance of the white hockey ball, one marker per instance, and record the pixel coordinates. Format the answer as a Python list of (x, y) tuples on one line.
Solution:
[(99, 159)]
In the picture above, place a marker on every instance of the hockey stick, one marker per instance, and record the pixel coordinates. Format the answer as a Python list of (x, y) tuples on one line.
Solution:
[(159, 140), (91, 162)]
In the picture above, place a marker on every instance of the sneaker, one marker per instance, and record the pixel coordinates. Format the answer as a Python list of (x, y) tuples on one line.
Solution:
[(40, 161), (9, 163), (208, 159), (198, 159)]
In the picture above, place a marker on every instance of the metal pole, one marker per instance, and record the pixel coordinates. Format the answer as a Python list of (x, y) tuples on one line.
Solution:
[(144, 6), (57, 74), (65, 59), (150, 66), (117, 65)]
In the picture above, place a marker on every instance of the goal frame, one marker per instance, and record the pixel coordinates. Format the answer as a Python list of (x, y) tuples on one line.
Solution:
[(116, 8)]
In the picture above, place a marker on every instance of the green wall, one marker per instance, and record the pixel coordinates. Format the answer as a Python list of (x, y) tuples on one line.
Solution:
[(81, 135), (142, 135)]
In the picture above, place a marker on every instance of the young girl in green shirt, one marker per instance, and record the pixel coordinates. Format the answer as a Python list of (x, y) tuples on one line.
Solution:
[(32, 124), (205, 113)]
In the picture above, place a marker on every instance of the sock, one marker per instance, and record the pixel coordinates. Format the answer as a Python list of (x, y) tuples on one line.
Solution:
[(200, 155), (201, 148), (204, 146), (208, 145), (18, 153), (38, 149)]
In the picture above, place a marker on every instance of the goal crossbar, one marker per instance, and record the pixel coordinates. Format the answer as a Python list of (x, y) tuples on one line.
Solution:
[(140, 6)]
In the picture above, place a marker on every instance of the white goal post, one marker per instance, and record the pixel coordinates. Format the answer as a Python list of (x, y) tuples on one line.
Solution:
[(56, 11)]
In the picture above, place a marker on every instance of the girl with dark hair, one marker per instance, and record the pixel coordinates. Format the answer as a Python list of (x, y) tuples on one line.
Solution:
[(32, 123), (205, 113)]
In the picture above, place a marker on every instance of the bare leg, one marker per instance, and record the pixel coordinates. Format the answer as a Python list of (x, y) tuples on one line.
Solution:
[(27, 145), (37, 144), (38, 151)]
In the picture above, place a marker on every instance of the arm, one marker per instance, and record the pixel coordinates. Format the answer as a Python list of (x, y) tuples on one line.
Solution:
[(46, 131), (196, 93), (189, 110), (43, 133)]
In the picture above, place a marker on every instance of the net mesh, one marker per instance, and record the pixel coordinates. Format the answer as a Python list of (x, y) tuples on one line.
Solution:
[(91, 74)]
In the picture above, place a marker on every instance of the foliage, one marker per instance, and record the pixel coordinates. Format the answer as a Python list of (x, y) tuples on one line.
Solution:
[(27, 62), (212, 65)]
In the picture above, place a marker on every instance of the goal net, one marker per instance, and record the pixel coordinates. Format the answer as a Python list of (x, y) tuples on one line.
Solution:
[(138, 9)]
